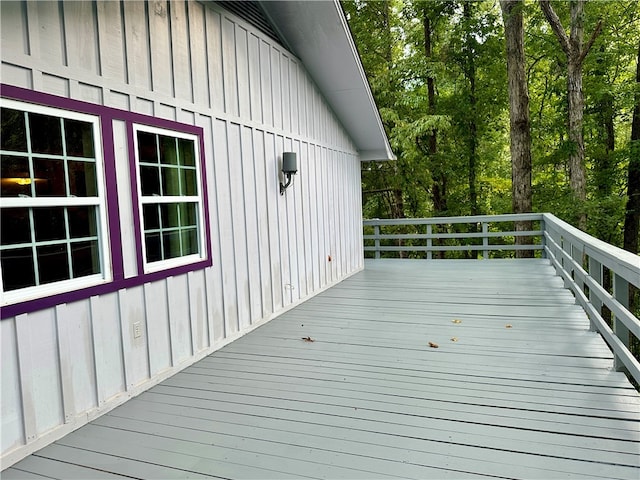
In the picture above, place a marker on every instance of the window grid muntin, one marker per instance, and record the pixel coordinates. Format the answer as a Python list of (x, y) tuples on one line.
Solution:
[(160, 167), (179, 229), (68, 241), (198, 199), (97, 202), (31, 156)]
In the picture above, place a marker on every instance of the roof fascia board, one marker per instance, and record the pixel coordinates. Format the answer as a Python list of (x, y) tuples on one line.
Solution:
[(317, 32)]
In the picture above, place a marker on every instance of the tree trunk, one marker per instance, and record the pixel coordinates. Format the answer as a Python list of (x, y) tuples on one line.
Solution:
[(577, 169), (519, 117), (438, 191), (576, 52), (632, 214), (473, 127)]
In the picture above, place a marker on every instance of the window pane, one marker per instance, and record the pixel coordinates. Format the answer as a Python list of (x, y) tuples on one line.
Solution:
[(168, 154), (189, 184), (13, 133), (82, 179), (85, 258), (151, 216), (152, 244), (147, 148), (82, 222), (17, 268), (49, 224), (49, 177), (15, 176), (190, 241), (46, 134), (169, 212), (79, 138), (171, 244), (170, 181), (53, 264), (188, 214), (15, 226), (150, 180), (187, 153)]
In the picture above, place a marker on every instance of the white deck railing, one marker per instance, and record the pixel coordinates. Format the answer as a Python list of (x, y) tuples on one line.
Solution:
[(583, 261)]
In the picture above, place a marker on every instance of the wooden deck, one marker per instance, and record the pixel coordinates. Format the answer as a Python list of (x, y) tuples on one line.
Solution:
[(526, 391)]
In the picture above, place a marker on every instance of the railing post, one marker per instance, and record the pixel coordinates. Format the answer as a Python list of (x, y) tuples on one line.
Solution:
[(429, 242), (621, 294), (485, 241), (595, 272), (376, 231), (543, 240)]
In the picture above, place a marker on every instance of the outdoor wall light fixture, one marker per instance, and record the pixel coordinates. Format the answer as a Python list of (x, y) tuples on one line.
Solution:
[(289, 168)]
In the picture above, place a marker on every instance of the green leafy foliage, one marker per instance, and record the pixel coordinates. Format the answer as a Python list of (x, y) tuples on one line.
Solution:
[(470, 121)]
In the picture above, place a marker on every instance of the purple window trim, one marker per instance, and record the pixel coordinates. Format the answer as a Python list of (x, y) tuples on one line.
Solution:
[(107, 115), (133, 175)]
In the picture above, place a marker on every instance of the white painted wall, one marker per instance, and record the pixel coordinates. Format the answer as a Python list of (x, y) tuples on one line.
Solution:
[(64, 366)]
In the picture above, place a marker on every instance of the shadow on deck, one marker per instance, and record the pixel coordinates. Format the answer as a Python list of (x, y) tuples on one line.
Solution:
[(524, 391)]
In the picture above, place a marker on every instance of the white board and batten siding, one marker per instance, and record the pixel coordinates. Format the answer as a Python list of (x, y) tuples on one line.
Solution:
[(197, 64)]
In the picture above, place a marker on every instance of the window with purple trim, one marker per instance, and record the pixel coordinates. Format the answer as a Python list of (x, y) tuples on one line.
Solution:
[(53, 216), (170, 197)]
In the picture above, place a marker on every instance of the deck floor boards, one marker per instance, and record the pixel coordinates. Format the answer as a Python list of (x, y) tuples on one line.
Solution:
[(525, 391)]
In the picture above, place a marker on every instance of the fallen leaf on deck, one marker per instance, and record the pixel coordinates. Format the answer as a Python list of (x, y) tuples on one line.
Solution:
[(308, 339), (433, 345), (456, 321), (454, 339), (508, 325)]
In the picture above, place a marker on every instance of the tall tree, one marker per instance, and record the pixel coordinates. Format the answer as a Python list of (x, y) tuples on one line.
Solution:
[(575, 50), (470, 73), (439, 187), (519, 114), (632, 214)]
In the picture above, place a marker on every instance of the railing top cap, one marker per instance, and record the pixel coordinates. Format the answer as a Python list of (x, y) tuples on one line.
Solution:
[(512, 217)]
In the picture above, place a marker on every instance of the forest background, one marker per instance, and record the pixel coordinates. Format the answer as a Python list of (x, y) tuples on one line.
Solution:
[(438, 72)]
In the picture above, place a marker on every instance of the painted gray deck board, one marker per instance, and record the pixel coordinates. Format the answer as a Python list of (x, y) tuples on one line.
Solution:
[(368, 398)]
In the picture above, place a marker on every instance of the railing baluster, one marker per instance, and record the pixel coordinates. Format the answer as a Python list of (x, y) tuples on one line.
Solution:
[(376, 231), (577, 253), (429, 242), (621, 294), (595, 272), (485, 240)]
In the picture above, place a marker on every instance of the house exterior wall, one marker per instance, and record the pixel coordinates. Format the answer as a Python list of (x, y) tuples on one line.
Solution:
[(194, 64)]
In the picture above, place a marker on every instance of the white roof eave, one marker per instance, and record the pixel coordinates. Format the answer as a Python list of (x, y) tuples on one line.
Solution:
[(318, 34)]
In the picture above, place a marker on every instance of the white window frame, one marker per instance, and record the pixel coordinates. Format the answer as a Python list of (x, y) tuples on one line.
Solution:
[(104, 250), (160, 265)]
